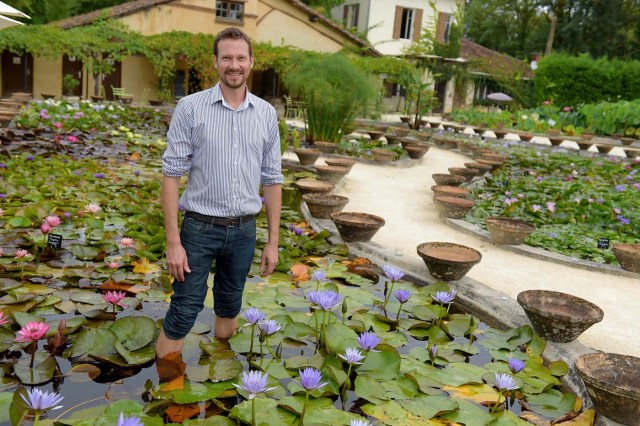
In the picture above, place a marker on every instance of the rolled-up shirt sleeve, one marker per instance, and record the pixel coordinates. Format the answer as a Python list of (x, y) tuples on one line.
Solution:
[(176, 160), (271, 157)]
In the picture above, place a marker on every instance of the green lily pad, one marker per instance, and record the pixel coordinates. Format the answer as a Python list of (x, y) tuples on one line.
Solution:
[(468, 414), (552, 403), (7, 284), (270, 413), (134, 332), (298, 362), (428, 406), (224, 369), (340, 337), (44, 367), (94, 341), (198, 392), (382, 365), (136, 357), (88, 297)]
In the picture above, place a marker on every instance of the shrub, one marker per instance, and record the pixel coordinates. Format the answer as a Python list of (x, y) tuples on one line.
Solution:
[(333, 88)]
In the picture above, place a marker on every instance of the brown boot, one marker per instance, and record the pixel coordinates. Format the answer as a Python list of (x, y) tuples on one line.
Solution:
[(171, 370)]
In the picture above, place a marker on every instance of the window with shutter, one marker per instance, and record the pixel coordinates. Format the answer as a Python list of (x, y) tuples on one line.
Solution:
[(444, 27), (404, 23), (350, 15), (229, 10)]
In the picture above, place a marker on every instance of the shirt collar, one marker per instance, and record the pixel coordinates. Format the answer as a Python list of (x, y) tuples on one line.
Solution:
[(216, 96)]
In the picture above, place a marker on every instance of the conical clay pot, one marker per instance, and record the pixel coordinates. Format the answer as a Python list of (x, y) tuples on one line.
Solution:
[(613, 383), (628, 256), (375, 134), (322, 205), (558, 317), (325, 147), (484, 168), (382, 155), (416, 152), (505, 230), (453, 207), (466, 173), (355, 226), (307, 157), (341, 162), (448, 179), (448, 261), (333, 174), (493, 163), (452, 191), (310, 186)]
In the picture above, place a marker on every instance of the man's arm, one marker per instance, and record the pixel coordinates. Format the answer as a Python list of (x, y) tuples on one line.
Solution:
[(176, 256), (273, 205)]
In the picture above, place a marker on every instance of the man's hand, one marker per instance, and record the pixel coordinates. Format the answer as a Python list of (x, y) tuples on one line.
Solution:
[(177, 261), (269, 259)]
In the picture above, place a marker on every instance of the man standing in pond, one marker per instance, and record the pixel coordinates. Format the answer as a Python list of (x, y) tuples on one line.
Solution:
[(227, 140)]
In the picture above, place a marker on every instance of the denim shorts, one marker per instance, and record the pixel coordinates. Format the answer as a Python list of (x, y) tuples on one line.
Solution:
[(232, 248)]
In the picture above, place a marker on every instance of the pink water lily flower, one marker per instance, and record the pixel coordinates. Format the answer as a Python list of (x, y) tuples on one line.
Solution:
[(115, 298), (21, 253), (53, 220), (45, 227), (32, 332), (127, 242), (92, 208), (4, 319), (113, 265)]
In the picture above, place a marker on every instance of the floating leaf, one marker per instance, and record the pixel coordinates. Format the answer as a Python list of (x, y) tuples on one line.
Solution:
[(552, 403), (427, 406), (224, 369), (270, 413), (143, 266), (44, 367), (94, 341), (137, 357), (198, 392), (382, 365), (468, 414), (134, 332)]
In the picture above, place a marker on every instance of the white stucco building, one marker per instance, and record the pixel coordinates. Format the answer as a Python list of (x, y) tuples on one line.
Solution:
[(391, 25)]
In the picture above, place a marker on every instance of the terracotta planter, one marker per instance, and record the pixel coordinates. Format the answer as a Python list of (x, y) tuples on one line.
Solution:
[(464, 146), (405, 119), (440, 141), (627, 141), (322, 205), (479, 130), (341, 162), (493, 163), (628, 256), (354, 226), (466, 173), (451, 143), (307, 157), (448, 261), (556, 140), (403, 133), (375, 134), (558, 317), (587, 136), (325, 147), (416, 152), (526, 136), (493, 156), (613, 383), (484, 168), (333, 174), (451, 191), (311, 186), (604, 149), (500, 134), (453, 207), (505, 230), (433, 124), (553, 132), (409, 142), (393, 139), (447, 179), (382, 155)]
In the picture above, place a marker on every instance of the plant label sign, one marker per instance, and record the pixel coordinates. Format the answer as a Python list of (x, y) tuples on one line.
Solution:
[(603, 243), (54, 241)]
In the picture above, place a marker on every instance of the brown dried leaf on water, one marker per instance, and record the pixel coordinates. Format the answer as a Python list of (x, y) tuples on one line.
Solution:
[(300, 273), (180, 412), (584, 419)]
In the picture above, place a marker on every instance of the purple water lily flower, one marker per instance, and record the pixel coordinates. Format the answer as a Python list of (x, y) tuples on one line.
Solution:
[(310, 379), (359, 423), (352, 356), (444, 297), (393, 273), (320, 275), (253, 315), (551, 206), (99, 176), (402, 295), (536, 207), (516, 365), (328, 300), (620, 188), (129, 421), (368, 341), (269, 327), (312, 296), (505, 381), (41, 401), (433, 352), (254, 382), (623, 220)]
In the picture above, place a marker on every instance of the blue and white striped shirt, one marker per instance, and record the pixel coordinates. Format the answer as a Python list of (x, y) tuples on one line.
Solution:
[(228, 153)]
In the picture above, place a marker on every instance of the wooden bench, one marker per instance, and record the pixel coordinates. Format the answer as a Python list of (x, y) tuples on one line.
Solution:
[(120, 94)]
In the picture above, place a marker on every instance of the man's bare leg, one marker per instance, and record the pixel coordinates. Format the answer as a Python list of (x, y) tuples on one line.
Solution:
[(225, 328), (165, 346)]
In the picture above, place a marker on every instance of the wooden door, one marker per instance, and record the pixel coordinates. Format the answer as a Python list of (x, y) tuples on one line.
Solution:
[(73, 66), (17, 73), (114, 79)]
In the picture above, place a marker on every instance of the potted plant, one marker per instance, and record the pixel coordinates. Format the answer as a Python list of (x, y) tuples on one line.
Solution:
[(69, 84)]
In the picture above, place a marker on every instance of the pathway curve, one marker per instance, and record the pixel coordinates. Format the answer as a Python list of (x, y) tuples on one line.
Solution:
[(403, 197)]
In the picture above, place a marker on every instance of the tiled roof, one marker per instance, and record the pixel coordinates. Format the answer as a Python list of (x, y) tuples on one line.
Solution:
[(489, 61), (138, 5)]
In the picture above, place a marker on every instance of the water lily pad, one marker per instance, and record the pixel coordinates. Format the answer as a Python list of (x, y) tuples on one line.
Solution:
[(300, 361), (87, 297), (319, 410), (198, 392), (7, 284), (44, 367), (340, 337), (83, 252), (507, 418), (382, 365), (428, 406), (392, 413), (134, 332), (552, 403), (468, 414), (137, 357), (224, 369), (270, 413), (94, 341)]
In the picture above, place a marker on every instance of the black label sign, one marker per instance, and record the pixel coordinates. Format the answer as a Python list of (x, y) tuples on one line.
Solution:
[(603, 243), (54, 241)]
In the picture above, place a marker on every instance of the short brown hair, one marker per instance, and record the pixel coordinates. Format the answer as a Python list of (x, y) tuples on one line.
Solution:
[(231, 33)]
